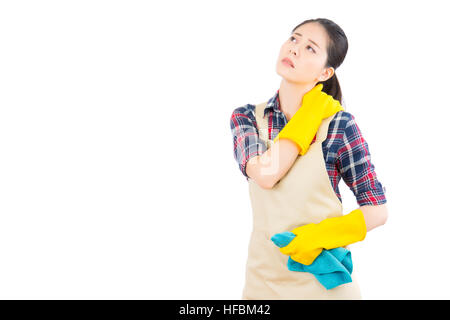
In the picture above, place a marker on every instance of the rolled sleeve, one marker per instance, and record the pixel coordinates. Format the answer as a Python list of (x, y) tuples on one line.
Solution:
[(356, 168), (246, 141)]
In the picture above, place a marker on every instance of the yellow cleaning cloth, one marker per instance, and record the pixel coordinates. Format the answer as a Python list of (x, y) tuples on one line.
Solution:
[(303, 126)]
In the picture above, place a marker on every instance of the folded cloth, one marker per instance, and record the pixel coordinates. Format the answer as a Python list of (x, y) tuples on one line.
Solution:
[(331, 268)]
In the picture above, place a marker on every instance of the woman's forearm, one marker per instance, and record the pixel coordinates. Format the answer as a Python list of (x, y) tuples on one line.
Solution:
[(268, 168), (374, 216)]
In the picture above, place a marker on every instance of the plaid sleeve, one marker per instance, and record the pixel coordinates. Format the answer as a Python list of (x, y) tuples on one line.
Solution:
[(246, 141), (356, 168)]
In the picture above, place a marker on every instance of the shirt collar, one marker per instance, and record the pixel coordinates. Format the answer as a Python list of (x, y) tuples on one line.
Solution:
[(273, 104)]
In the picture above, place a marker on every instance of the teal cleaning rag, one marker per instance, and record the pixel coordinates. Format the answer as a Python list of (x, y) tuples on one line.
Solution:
[(331, 268)]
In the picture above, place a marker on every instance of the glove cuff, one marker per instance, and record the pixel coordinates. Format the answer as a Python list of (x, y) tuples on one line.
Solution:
[(341, 231)]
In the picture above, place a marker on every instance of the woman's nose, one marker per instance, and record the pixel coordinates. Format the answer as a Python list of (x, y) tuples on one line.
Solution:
[(294, 49)]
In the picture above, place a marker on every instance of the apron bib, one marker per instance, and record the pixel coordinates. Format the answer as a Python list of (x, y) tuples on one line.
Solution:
[(304, 195)]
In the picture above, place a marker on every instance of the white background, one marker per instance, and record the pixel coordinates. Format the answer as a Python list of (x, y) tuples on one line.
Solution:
[(117, 176)]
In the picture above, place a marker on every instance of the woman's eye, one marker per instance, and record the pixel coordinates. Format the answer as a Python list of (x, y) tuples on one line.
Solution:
[(293, 38), (312, 49)]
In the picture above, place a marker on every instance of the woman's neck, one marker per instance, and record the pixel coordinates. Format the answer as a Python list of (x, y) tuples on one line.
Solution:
[(291, 96)]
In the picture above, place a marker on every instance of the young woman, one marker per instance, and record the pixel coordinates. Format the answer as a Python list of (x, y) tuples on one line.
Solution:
[(293, 150)]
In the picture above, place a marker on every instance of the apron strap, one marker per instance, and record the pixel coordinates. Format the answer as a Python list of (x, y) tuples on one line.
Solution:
[(262, 124), (322, 132)]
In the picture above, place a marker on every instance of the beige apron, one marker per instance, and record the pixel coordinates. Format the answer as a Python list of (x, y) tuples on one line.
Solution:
[(304, 195)]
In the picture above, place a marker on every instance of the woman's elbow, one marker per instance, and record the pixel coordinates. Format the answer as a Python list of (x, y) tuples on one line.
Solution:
[(266, 182), (382, 214), (386, 215), (374, 216), (253, 170)]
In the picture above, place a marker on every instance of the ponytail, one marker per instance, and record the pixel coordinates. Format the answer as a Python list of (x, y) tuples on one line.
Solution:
[(332, 87)]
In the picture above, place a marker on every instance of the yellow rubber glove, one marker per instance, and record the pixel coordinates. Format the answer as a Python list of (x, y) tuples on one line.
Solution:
[(330, 233), (302, 127)]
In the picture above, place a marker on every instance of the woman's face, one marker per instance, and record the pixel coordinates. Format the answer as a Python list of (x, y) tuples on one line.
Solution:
[(308, 57)]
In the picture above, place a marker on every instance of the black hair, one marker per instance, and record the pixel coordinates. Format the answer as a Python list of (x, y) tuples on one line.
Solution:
[(336, 50)]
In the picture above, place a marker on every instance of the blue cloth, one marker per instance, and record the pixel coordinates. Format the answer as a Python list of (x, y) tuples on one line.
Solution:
[(332, 267)]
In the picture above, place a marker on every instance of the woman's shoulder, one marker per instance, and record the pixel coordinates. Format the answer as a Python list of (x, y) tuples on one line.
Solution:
[(245, 110), (243, 115), (342, 119)]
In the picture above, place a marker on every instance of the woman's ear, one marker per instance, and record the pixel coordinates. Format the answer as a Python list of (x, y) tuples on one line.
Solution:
[(326, 74)]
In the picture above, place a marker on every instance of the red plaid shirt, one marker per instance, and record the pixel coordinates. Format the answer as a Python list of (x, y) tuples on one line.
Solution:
[(346, 153)]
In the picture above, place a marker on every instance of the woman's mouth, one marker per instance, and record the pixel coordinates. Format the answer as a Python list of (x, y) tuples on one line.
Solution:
[(287, 62)]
